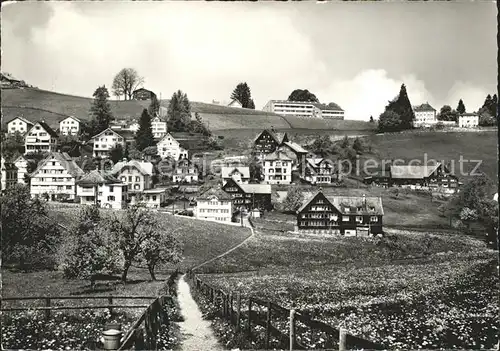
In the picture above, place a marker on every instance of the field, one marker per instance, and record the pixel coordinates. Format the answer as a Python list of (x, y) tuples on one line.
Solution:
[(445, 146), (35, 104), (408, 290)]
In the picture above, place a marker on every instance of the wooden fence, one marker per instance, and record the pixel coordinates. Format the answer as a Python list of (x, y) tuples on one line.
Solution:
[(144, 333), (274, 319)]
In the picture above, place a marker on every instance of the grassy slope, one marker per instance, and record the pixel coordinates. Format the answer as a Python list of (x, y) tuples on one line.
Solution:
[(445, 146), (22, 101)]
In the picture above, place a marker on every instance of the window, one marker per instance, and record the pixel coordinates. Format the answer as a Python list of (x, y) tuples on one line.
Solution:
[(373, 219), (154, 197), (345, 218), (111, 188), (136, 186), (124, 179), (137, 179), (68, 187), (359, 219), (130, 179)]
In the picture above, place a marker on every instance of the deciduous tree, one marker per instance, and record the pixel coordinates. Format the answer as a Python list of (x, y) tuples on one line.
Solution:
[(389, 121), (294, 199), (160, 248), (447, 114), (302, 95), (125, 82)]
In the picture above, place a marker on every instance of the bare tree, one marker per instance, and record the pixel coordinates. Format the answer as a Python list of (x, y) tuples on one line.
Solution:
[(125, 82)]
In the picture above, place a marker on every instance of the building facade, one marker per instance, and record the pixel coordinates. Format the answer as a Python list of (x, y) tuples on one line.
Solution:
[(143, 94), (319, 171), (468, 120), (105, 141), (341, 215), (214, 205), (101, 189), (55, 177), (235, 103), (19, 125), (154, 198), (268, 141), (240, 174), (185, 171), (159, 127), (425, 115), (169, 147), (277, 168), (249, 196), (304, 109), (137, 175), (9, 174), (69, 126), (40, 138), (22, 169)]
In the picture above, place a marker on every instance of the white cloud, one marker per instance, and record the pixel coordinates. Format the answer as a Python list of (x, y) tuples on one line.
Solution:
[(472, 96)]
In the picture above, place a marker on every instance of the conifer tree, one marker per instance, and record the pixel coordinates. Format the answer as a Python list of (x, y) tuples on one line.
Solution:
[(154, 107), (402, 107), (461, 107), (144, 136), (179, 112), (100, 110), (243, 94)]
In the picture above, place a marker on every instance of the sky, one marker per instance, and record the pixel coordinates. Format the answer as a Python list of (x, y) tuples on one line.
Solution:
[(356, 54)]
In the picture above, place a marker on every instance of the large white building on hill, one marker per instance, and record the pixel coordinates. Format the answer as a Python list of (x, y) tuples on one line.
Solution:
[(304, 109), (425, 115)]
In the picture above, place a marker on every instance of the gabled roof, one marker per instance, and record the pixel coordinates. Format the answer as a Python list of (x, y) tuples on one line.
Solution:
[(45, 127), (355, 204), (168, 135), (97, 177), (104, 131), (65, 160), (424, 107), (217, 192), (9, 76), (8, 166), (21, 119), (20, 159), (295, 147), (226, 172), (278, 137), (413, 172), (144, 167), (142, 89), (73, 117), (277, 155), (255, 188)]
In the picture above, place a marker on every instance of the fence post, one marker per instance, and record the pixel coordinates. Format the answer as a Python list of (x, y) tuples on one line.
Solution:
[(110, 302), (249, 327), (292, 329), (342, 339), (47, 311), (238, 311), (231, 306), (268, 324)]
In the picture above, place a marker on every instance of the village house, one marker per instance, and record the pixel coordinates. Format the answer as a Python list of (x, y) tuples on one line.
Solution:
[(425, 115), (295, 152), (240, 174), (138, 175), (19, 125), (105, 141), (268, 141), (9, 174), (185, 171), (468, 120), (249, 196), (434, 176), (235, 103), (214, 205), (319, 171), (154, 198), (143, 94), (40, 138), (159, 127), (102, 189), (55, 177), (69, 126), (21, 164), (8, 81), (277, 168), (340, 215), (169, 147)]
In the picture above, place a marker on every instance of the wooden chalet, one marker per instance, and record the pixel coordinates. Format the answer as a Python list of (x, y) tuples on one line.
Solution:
[(268, 141), (143, 94), (430, 177), (318, 171), (295, 152), (341, 215), (249, 196)]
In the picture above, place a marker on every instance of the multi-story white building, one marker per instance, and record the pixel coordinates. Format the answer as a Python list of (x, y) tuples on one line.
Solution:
[(159, 127), (40, 138), (169, 147), (55, 177), (101, 189), (69, 126), (9, 174), (277, 168), (214, 205), (22, 169), (240, 174), (304, 109), (185, 172), (138, 175), (19, 124), (105, 141), (425, 115), (468, 120)]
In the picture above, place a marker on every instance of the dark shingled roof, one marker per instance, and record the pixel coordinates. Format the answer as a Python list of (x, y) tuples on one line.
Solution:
[(65, 160), (48, 129), (351, 204), (97, 177), (218, 192), (424, 107)]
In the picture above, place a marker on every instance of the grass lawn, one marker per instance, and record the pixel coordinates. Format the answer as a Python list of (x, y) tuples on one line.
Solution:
[(385, 290)]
